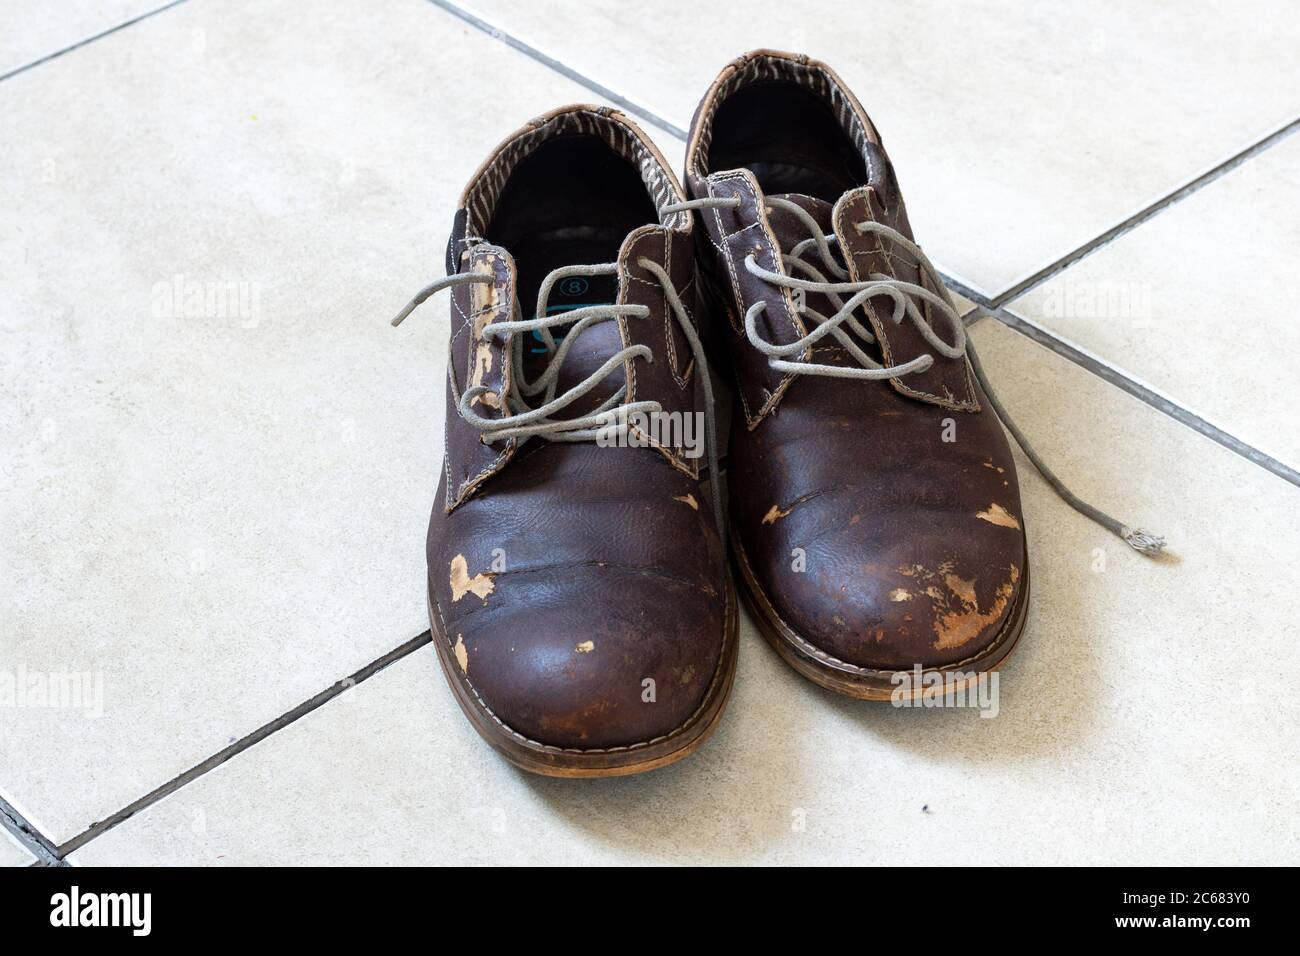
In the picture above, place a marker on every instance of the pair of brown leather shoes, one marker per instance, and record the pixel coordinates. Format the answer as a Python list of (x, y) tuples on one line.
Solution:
[(579, 594)]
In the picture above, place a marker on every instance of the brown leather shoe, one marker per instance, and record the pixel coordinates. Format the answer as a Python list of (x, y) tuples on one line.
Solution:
[(876, 519), (578, 590)]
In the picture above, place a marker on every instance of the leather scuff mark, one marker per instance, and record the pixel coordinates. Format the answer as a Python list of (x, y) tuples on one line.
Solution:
[(688, 499), (585, 647), (485, 302), (774, 514), (957, 627), (462, 655), (998, 515), (900, 594), (957, 615), (462, 584), (482, 366), (962, 588)]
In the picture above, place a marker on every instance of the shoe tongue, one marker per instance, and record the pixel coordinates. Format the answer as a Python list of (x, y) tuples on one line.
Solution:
[(788, 228), (791, 229), (593, 347)]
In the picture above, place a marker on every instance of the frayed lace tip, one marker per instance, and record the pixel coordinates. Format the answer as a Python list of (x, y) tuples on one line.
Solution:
[(1143, 542)]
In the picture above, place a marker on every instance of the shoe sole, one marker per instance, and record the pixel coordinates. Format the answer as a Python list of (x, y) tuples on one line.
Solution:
[(865, 683), (552, 761)]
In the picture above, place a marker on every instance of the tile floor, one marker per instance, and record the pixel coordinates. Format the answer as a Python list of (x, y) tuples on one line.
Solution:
[(1148, 715), (31, 30)]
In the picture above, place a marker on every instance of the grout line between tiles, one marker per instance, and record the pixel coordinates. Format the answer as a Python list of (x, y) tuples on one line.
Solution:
[(1141, 392), (33, 840), (1175, 195), (91, 39), (492, 30), (240, 745)]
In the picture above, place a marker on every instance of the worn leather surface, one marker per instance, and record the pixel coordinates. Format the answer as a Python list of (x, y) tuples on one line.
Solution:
[(872, 536), (611, 577), (580, 588), (476, 359)]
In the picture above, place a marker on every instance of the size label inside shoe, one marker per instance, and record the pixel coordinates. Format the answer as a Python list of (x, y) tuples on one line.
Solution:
[(575, 292)]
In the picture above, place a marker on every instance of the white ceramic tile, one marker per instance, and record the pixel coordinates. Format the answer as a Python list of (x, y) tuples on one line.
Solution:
[(215, 514), (1020, 130), (13, 853), (32, 29), (1148, 716), (1196, 302)]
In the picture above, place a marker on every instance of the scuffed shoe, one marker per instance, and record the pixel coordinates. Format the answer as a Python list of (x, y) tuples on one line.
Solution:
[(578, 588), (876, 518)]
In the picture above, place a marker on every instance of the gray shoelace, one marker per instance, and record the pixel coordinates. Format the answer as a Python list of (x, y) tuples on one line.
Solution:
[(611, 418), (905, 296)]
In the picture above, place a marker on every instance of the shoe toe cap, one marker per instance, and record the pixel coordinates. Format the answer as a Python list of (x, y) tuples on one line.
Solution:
[(938, 596), (592, 657)]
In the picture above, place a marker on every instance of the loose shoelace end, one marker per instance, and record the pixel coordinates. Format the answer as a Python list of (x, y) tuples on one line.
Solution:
[(1143, 542)]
